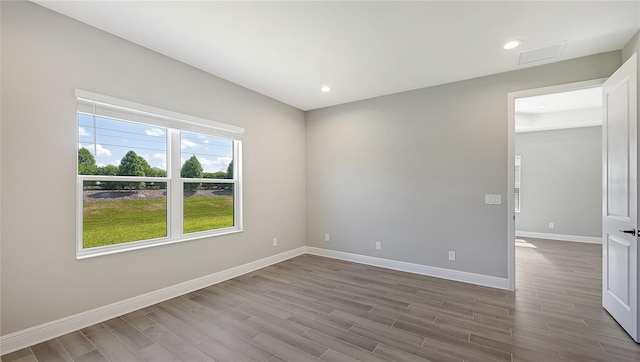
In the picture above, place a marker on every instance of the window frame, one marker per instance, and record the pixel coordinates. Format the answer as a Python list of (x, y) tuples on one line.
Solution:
[(174, 123)]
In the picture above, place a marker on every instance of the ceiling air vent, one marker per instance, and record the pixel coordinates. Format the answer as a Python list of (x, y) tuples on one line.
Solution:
[(542, 53)]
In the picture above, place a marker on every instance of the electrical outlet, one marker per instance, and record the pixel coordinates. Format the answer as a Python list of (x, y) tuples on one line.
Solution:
[(452, 255), (326, 237), (551, 225), (275, 241), (378, 245)]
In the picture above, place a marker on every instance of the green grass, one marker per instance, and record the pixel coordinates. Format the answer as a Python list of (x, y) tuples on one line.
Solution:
[(207, 213), (110, 222)]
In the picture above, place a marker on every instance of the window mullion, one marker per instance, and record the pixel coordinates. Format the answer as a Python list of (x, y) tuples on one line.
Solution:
[(175, 185)]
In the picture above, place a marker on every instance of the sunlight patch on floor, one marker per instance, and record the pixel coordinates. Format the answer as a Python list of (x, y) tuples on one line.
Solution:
[(524, 244)]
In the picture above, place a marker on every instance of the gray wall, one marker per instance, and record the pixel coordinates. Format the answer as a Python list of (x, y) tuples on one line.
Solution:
[(631, 47), (561, 181), (410, 170), (45, 57)]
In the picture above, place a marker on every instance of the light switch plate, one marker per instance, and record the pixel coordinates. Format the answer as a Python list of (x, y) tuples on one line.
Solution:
[(492, 199)]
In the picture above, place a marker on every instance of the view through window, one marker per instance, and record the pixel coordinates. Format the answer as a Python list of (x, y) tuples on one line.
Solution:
[(145, 180)]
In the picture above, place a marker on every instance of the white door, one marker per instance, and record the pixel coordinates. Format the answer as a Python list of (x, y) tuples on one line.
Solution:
[(620, 198)]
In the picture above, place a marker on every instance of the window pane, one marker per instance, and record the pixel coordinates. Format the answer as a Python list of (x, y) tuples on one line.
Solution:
[(204, 156), (207, 206), (111, 147), (112, 215)]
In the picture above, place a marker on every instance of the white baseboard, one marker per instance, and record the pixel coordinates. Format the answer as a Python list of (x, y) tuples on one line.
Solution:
[(562, 237), (461, 276), (34, 335), (40, 333)]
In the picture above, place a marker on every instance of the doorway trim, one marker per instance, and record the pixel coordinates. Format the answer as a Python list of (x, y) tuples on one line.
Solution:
[(511, 122)]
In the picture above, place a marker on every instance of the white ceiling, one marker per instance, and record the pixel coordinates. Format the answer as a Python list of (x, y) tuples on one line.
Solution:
[(570, 109), (559, 102), (288, 50)]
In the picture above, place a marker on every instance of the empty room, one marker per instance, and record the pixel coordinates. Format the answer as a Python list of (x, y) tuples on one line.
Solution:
[(318, 181)]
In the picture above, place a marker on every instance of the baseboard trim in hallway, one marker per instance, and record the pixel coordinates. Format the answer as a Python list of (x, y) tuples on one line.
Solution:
[(561, 237)]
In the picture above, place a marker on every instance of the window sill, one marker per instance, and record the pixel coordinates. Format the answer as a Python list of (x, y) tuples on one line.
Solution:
[(137, 245)]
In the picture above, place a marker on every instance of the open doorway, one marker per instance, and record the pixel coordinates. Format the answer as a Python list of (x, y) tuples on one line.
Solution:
[(555, 141), (558, 166)]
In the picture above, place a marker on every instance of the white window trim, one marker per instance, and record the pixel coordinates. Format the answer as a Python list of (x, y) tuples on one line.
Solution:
[(174, 122)]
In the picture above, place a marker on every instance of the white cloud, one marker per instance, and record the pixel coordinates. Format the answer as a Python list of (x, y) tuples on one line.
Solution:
[(154, 132), (205, 139), (102, 151), (188, 143), (217, 164), (83, 132), (205, 161), (161, 160), (99, 150)]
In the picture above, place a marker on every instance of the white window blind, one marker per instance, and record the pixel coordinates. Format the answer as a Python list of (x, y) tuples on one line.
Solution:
[(114, 108)]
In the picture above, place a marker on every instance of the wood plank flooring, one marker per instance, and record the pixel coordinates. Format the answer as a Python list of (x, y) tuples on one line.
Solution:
[(311, 308)]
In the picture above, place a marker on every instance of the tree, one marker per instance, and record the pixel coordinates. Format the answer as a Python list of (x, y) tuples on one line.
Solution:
[(86, 162), (156, 172), (146, 167), (132, 165), (213, 175), (230, 170), (108, 170), (85, 157), (191, 169)]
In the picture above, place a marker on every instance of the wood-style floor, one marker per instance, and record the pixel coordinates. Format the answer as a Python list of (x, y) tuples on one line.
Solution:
[(311, 308)]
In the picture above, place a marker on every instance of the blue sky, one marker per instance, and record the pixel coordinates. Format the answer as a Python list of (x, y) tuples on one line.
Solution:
[(113, 139)]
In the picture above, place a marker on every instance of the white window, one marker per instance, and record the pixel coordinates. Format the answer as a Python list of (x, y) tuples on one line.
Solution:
[(518, 181), (148, 176)]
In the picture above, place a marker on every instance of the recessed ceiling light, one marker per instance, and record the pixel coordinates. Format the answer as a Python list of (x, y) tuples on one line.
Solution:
[(325, 89), (512, 44)]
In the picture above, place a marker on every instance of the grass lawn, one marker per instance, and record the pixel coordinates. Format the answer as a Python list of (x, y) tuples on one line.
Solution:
[(119, 221), (207, 213)]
